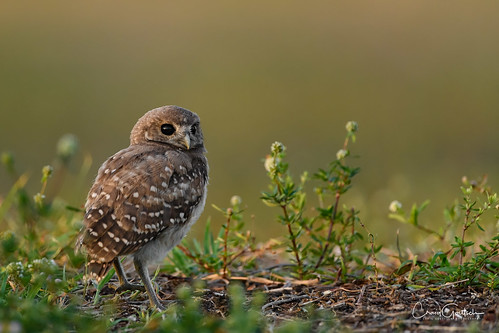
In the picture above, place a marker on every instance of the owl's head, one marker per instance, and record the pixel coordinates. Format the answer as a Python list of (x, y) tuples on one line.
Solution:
[(170, 125)]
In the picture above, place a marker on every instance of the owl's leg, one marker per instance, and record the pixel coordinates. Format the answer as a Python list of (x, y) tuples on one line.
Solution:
[(146, 280), (124, 284)]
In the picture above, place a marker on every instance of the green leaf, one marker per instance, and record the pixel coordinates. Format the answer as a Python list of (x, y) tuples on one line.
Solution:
[(468, 244), (207, 239), (397, 217), (479, 226)]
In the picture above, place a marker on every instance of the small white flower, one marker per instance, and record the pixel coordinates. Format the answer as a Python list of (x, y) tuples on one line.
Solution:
[(341, 154), (277, 147), (395, 205), (47, 171), (269, 163), (352, 126), (235, 200), (38, 198)]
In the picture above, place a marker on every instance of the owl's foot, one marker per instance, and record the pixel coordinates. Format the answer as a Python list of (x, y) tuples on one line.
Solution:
[(124, 284), (158, 306)]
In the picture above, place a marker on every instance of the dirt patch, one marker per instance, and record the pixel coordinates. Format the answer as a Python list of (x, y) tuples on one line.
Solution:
[(362, 306)]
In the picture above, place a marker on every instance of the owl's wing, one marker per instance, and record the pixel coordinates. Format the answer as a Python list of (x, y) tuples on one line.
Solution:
[(136, 196)]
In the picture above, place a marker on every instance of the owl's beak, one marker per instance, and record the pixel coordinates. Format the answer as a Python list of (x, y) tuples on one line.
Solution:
[(186, 141)]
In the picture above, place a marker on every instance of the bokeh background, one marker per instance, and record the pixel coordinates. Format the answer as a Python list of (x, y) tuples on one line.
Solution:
[(421, 78)]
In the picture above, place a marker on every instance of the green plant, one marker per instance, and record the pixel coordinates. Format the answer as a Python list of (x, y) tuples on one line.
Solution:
[(220, 254), (291, 199), (481, 268), (473, 211), (336, 181), (398, 213), (38, 267), (312, 241)]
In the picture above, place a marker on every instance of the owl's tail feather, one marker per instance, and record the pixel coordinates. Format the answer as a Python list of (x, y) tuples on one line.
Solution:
[(96, 270)]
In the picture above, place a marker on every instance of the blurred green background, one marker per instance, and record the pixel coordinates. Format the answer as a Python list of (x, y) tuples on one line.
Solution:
[(421, 78)]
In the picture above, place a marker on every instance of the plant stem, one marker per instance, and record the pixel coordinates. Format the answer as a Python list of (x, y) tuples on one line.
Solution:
[(331, 224), (226, 238), (197, 260), (425, 229), (345, 143), (373, 252), (235, 256), (290, 229), (465, 226), (293, 242), (481, 263)]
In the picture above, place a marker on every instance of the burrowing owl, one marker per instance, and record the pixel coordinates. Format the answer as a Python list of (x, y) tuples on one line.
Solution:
[(147, 196)]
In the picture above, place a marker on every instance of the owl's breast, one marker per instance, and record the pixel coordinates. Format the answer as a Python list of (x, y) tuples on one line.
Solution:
[(157, 249)]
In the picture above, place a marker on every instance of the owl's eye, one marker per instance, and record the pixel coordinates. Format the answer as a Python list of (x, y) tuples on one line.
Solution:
[(167, 129), (194, 129)]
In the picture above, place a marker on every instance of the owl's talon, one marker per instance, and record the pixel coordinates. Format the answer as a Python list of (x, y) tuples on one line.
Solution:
[(159, 306)]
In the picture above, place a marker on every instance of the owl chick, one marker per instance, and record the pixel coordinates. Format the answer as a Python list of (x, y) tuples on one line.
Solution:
[(146, 197)]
